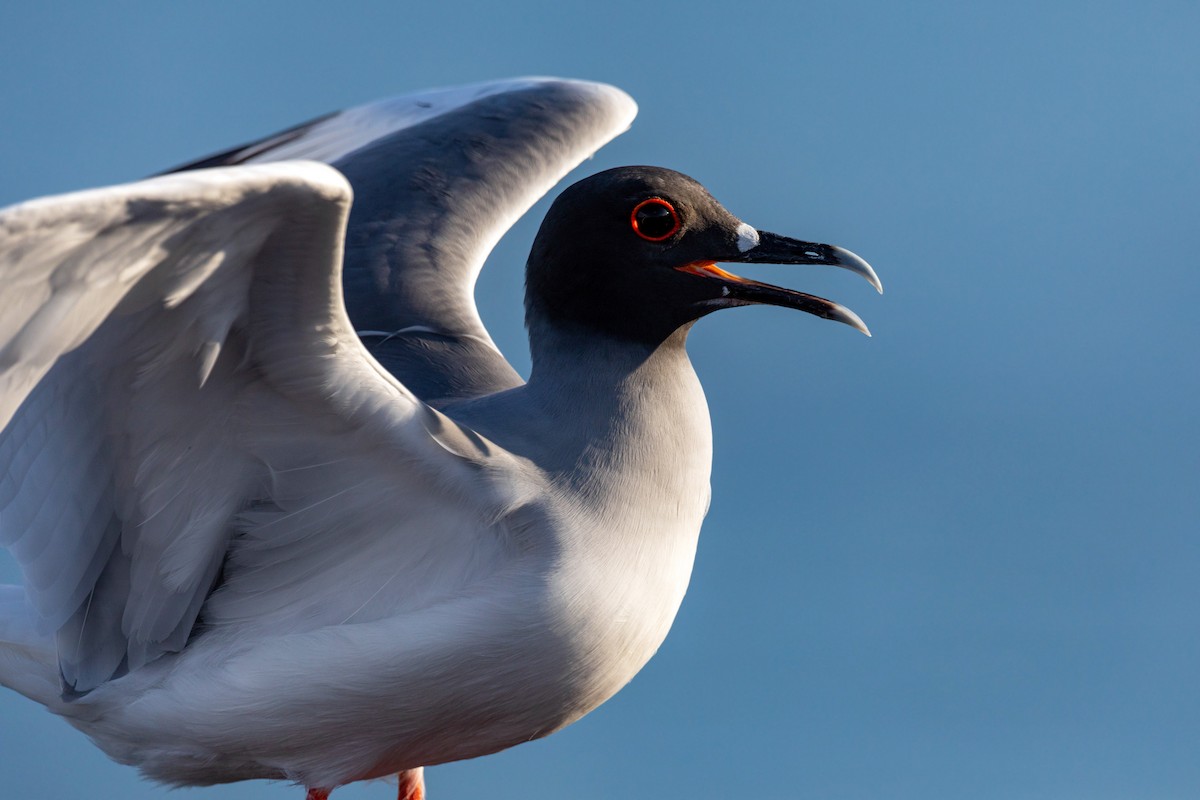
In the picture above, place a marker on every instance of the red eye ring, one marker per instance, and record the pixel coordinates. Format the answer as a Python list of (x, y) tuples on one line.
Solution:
[(652, 235)]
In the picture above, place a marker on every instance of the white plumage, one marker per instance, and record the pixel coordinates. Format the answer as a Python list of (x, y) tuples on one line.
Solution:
[(252, 547), (189, 401)]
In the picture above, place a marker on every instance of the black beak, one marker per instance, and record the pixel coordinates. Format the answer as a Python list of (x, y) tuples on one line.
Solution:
[(761, 247), (775, 249)]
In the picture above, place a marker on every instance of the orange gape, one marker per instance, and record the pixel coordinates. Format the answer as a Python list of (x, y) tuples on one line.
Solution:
[(709, 269)]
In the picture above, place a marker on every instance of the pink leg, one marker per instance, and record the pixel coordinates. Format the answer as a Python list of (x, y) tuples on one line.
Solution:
[(412, 784)]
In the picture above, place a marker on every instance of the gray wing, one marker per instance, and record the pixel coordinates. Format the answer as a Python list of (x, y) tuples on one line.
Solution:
[(438, 177), (183, 398)]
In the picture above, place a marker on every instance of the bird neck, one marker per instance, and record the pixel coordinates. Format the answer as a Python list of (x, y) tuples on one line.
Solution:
[(565, 355), (618, 404)]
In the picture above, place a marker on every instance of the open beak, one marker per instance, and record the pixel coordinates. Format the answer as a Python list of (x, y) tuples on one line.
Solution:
[(761, 247)]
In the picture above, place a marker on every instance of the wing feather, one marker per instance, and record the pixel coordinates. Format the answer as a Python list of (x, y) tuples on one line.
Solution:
[(177, 352), (438, 177)]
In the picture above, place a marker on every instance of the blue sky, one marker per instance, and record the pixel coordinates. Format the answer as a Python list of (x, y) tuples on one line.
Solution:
[(958, 559)]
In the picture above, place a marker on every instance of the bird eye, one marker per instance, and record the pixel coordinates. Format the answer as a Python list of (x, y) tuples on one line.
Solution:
[(654, 219)]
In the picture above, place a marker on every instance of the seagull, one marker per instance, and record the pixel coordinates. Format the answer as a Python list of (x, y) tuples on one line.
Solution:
[(282, 508)]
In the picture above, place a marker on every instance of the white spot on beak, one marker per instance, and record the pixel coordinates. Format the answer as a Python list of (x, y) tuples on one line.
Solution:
[(747, 238)]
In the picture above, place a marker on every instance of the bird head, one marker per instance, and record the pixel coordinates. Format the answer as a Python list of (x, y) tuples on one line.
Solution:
[(633, 252)]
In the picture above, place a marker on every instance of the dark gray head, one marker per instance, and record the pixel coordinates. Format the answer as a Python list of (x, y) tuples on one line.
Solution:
[(632, 252)]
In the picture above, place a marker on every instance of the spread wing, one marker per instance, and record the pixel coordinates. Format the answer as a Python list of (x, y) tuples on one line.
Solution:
[(438, 177), (184, 401)]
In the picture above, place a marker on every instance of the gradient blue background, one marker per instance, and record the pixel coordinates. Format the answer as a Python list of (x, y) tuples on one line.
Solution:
[(956, 560)]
